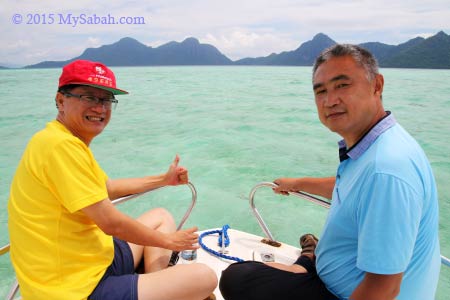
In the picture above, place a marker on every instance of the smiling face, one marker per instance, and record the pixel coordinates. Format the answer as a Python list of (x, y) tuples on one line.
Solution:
[(84, 120), (348, 103)]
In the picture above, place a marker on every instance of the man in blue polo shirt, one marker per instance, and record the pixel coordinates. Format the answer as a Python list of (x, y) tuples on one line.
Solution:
[(380, 240)]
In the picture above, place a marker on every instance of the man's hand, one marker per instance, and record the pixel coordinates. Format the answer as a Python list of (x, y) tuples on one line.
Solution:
[(286, 185), (180, 240), (176, 175)]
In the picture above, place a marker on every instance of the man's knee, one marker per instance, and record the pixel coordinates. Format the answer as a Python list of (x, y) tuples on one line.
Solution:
[(163, 213), (158, 217), (227, 284), (207, 275), (234, 278)]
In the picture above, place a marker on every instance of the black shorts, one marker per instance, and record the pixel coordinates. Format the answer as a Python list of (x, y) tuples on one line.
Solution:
[(120, 280), (252, 280)]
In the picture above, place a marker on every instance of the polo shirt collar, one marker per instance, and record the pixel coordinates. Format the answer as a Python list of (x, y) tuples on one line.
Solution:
[(367, 139)]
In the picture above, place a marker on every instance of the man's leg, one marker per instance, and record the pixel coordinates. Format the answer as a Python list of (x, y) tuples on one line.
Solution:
[(257, 281), (195, 281), (180, 282), (155, 259)]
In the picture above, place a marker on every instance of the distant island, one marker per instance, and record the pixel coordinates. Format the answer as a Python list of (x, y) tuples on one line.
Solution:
[(429, 53)]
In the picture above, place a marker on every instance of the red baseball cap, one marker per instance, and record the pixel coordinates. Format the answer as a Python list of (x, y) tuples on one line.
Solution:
[(95, 74)]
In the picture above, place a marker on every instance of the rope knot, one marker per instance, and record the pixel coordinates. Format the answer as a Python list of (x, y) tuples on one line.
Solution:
[(222, 232)]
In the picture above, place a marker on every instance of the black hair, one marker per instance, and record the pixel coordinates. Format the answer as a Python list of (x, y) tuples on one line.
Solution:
[(361, 56), (67, 88)]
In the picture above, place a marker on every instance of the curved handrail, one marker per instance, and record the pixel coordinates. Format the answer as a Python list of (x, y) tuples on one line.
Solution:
[(444, 260), (13, 290), (5, 249), (186, 215), (302, 195)]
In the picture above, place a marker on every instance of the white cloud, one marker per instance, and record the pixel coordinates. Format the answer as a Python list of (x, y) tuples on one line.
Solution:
[(94, 42), (237, 28), (240, 43)]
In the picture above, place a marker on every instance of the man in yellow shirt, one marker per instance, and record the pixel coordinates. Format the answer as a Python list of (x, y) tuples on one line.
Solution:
[(67, 239)]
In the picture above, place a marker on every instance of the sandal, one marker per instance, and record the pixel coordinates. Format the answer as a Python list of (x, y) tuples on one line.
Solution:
[(308, 243)]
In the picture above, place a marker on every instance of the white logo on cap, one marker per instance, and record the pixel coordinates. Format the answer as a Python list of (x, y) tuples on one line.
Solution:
[(100, 70)]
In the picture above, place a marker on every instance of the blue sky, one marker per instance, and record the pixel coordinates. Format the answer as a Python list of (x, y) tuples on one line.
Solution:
[(244, 28)]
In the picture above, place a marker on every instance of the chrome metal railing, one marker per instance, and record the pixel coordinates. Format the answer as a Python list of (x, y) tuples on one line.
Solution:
[(186, 215), (444, 260), (5, 249)]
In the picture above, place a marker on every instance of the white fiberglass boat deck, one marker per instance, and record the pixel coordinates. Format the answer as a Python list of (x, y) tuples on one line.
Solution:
[(242, 245), (245, 246)]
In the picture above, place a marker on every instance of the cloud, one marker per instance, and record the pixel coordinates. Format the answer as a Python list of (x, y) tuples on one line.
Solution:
[(240, 42), (237, 28), (94, 42)]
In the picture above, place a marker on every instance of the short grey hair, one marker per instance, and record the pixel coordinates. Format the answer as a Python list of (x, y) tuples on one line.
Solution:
[(361, 56)]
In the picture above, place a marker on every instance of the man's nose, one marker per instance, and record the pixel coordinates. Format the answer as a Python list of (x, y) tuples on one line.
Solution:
[(331, 99)]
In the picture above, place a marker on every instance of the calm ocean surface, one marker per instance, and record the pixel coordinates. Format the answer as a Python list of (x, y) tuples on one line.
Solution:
[(232, 127)]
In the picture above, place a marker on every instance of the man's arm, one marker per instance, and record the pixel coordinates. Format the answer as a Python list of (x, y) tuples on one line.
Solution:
[(113, 222), (126, 186), (317, 186), (122, 187), (378, 287)]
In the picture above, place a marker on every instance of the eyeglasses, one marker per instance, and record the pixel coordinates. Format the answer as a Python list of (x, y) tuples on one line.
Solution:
[(108, 103)]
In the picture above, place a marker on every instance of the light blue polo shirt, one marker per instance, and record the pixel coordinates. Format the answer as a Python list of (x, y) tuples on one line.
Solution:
[(384, 216)]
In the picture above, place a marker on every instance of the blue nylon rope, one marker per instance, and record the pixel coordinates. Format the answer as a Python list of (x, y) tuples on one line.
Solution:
[(226, 243)]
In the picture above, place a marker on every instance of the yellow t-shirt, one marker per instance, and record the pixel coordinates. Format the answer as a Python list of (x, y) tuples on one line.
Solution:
[(56, 250)]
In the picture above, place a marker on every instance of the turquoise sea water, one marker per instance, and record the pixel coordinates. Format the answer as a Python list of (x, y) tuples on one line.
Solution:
[(232, 127)]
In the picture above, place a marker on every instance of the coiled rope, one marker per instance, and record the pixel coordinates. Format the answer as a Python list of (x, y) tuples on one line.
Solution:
[(224, 232)]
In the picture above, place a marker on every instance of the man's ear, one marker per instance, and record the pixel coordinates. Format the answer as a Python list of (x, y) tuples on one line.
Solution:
[(59, 100), (379, 84)]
